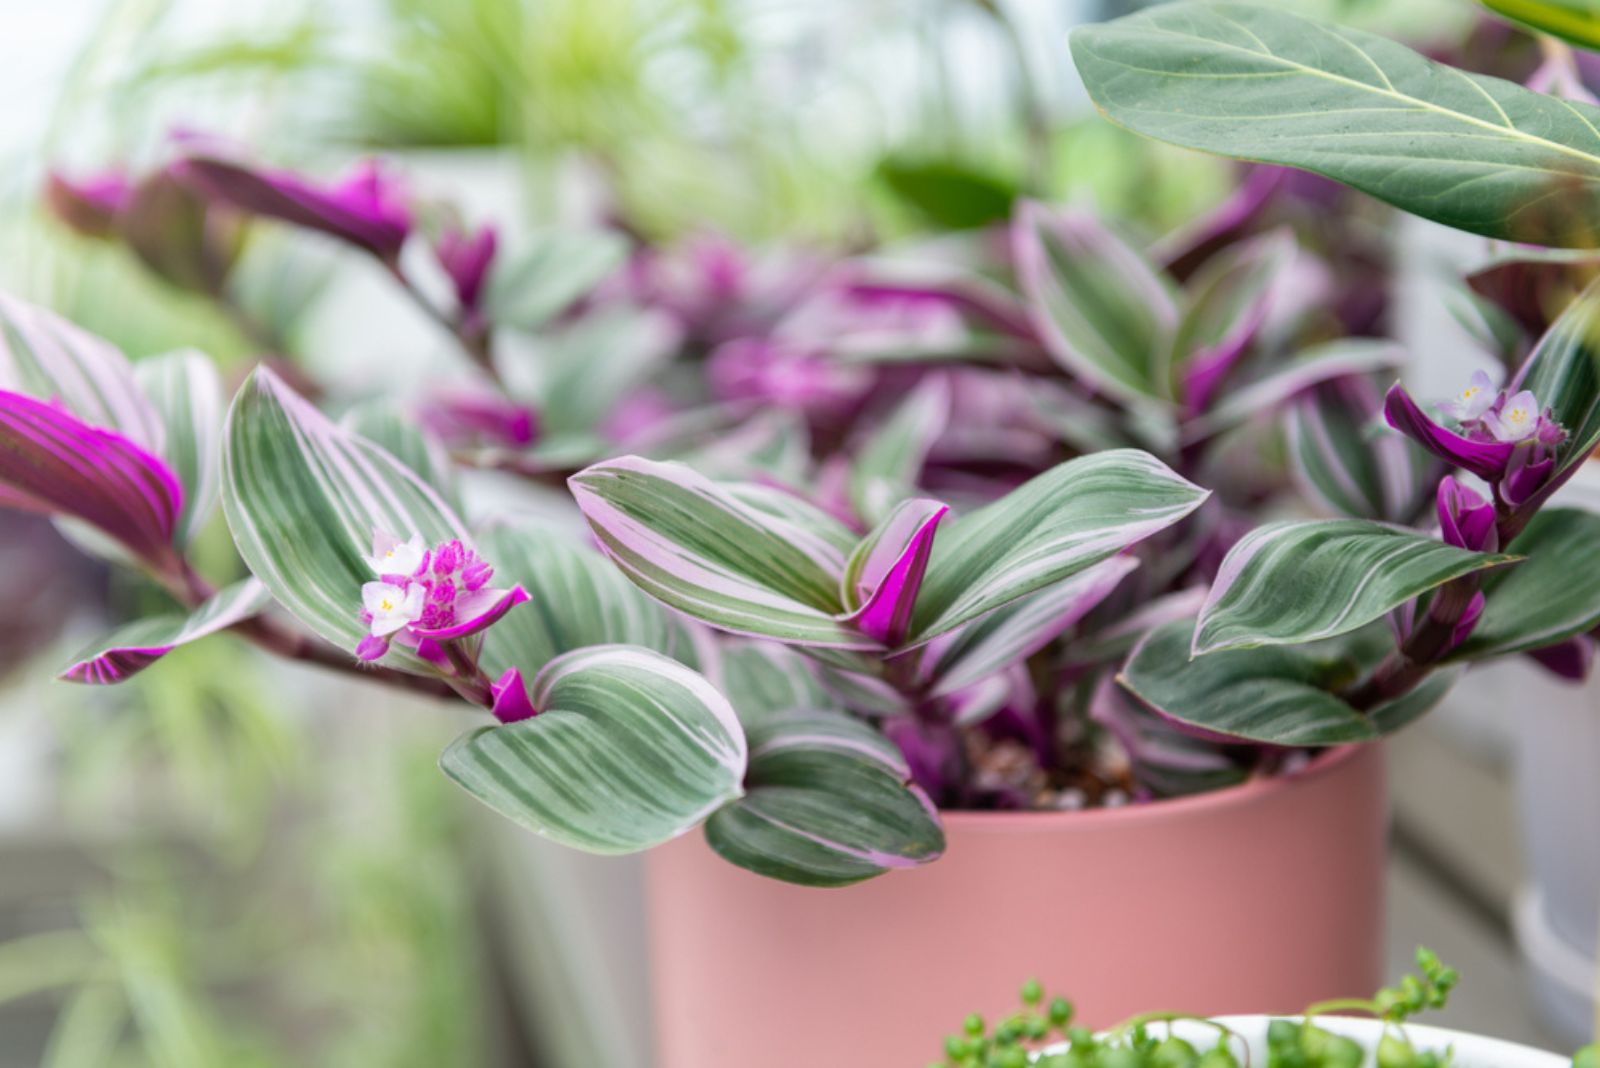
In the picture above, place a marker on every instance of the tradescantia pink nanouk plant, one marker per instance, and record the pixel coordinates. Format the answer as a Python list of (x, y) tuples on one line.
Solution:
[(871, 535)]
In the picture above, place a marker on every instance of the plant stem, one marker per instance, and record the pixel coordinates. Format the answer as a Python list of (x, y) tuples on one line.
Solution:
[(474, 337), (1427, 643)]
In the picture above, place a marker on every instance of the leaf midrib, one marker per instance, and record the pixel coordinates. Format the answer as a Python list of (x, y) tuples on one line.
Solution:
[(1292, 66)]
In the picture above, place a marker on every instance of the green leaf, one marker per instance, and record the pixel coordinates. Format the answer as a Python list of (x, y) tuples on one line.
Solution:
[(302, 498), (576, 599), (1106, 313), (1348, 460), (1563, 371), (948, 194), (1047, 530), (628, 750), (828, 805), (1551, 596), (1476, 153), (589, 365), (890, 461), (1280, 695), (186, 391), (1301, 581), (1228, 299), (1577, 21), (531, 287), (762, 679)]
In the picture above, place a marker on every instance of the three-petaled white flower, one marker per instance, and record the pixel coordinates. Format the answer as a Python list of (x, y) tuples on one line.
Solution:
[(391, 556), (1516, 420), (391, 607), (1474, 401)]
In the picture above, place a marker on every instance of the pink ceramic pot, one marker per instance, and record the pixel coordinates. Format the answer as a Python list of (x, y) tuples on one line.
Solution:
[(1261, 898)]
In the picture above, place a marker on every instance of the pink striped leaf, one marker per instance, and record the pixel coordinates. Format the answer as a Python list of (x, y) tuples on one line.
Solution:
[(625, 749), (1348, 461), (885, 572), (829, 803), (1302, 581), (303, 496), (1105, 312), (53, 463), (46, 357), (1285, 379), (763, 679), (1053, 527), (186, 390), (128, 650), (1225, 306), (750, 561)]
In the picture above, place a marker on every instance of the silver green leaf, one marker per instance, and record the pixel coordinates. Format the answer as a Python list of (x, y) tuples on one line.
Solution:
[(1304, 580), (534, 284), (1258, 83), (1553, 595), (186, 390), (628, 749), (130, 649)]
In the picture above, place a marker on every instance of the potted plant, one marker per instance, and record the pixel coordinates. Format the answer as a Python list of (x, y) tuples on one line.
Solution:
[(1383, 1035), (898, 523)]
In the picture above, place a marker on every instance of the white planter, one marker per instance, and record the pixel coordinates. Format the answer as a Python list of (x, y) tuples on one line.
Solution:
[(1471, 1051)]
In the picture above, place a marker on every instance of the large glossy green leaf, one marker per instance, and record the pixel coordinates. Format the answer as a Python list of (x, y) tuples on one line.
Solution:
[(1049, 529), (746, 560), (576, 599), (1104, 310), (186, 391), (1301, 581), (302, 497), (1552, 595), (828, 805), (1281, 695), (1472, 152), (1577, 21), (628, 749)]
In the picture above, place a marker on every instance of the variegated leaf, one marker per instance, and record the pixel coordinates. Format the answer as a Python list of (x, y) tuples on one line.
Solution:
[(1287, 378), (48, 358), (186, 390), (1106, 313), (885, 572), (130, 649), (1279, 695), (1301, 581), (577, 599), (1553, 595), (1226, 304), (1053, 527), (762, 679), (887, 467), (1564, 373), (829, 804), (754, 562), (389, 425), (52, 463), (538, 282), (1349, 461), (990, 644), (628, 749), (303, 496)]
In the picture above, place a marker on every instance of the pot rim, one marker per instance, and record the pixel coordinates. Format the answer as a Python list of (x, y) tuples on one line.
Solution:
[(1250, 792)]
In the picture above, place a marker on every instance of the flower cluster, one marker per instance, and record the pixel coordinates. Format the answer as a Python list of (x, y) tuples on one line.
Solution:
[(1505, 438), (426, 596)]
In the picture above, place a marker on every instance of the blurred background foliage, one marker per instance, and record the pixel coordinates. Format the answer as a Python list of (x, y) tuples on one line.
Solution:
[(230, 862)]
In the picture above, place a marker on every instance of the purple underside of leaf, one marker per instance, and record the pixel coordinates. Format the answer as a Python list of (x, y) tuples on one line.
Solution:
[(1486, 459), (511, 703), (54, 464), (292, 200), (893, 571), (114, 666), (475, 612), (1182, 251), (1570, 660), (1205, 370)]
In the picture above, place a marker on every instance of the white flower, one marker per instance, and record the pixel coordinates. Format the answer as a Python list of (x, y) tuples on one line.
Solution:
[(391, 607), (1517, 419), (391, 556), (1473, 401)]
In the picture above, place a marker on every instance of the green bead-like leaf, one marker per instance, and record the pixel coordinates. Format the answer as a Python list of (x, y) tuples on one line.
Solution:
[(828, 805), (628, 750), (1047, 530), (1553, 595), (1302, 581), (1473, 152), (1281, 695), (302, 497)]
